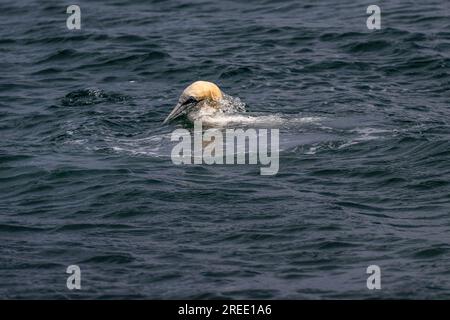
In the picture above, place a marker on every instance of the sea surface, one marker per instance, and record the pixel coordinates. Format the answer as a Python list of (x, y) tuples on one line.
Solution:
[(86, 176)]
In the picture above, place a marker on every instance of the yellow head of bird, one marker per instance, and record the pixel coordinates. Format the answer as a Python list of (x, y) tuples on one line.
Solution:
[(195, 93)]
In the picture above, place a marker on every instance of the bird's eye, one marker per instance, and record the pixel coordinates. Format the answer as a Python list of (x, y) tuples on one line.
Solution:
[(190, 100)]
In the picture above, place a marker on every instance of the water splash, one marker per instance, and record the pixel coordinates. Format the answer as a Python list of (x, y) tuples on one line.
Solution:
[(231, 104)]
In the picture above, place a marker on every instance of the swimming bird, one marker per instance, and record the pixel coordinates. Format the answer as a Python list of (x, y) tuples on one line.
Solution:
[(198, 101)]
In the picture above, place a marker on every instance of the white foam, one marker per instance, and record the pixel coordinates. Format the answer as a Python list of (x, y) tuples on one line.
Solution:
[(223, 119), (365, 134)]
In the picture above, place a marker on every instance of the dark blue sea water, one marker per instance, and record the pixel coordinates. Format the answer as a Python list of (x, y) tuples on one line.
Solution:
[(86, 176)]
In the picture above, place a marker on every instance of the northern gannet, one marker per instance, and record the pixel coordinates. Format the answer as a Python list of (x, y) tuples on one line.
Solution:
[(199, 100)]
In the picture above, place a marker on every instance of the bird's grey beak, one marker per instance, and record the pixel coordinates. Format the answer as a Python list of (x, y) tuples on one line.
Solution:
[(179, 110)]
